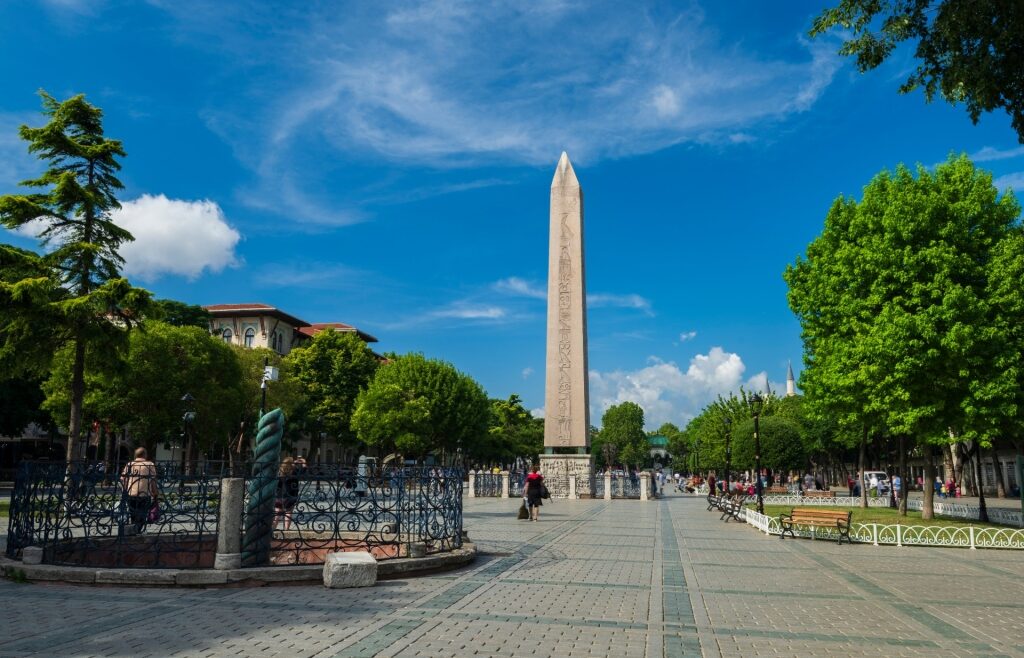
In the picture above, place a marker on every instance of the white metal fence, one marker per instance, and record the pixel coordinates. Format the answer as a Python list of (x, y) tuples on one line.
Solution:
[(880, 534)]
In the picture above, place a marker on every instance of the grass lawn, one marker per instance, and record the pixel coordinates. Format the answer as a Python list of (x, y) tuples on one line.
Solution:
[(885, 515), (4, 506)]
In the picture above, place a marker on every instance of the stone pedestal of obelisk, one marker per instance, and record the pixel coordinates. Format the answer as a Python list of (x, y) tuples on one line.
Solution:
[(566, 395)]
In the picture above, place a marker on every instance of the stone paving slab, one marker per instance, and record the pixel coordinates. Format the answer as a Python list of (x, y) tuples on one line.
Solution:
[(592, 578)]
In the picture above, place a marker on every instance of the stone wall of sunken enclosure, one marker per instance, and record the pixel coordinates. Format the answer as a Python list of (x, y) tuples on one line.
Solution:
[(81, 514)]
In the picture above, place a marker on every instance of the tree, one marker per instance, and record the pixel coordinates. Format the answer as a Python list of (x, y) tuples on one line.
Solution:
[(782, 447), (457, 408), (513, 432), (623, 426), (892, 301), (969, 51), (331, 371), (144, 390), (181, 314), (73, 208)]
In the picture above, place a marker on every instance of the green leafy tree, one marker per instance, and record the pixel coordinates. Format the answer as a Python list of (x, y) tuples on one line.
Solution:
[(782, 447), (969, 51), (181, 314), (330, 372), (623, 426), (457, 409), (78, 193), (513, 432), (143, 392), (892, 300)]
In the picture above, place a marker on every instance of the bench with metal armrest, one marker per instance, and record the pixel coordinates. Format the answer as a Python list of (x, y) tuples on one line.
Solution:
[(813, 517)]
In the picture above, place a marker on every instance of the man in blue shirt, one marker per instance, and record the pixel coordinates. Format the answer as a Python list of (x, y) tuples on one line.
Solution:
[(897, 488)]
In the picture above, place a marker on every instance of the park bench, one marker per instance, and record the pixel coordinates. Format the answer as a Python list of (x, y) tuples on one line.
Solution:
[(714, 501), (731, 506), (813, 517), (777, 491), (820, 494)]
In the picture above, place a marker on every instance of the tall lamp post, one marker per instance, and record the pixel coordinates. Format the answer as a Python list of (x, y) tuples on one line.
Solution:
[(756, 403), (187, 418), (728, 453)]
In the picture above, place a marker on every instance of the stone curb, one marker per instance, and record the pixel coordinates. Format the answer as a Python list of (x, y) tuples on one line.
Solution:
[(255, 577)]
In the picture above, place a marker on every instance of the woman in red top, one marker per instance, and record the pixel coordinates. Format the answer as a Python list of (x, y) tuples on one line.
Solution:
[(534, 493)]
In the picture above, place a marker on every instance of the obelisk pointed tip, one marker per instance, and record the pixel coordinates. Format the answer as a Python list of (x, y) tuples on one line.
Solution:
[(564, 174)]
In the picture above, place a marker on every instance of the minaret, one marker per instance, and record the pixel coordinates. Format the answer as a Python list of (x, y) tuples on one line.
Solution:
[(566, 395), (790, 382)]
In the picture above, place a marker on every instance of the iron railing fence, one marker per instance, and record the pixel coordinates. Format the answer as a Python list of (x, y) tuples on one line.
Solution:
[(487, 485), (83, 514), (391, 512), (516, 483)]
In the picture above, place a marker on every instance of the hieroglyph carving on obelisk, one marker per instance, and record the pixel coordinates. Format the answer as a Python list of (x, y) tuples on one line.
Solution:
[(567, 398)]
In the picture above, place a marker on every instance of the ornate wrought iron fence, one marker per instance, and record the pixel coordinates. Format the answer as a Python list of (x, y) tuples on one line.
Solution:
[(391, 513), (599, 486), (80, 514), (516, 483), (630, 487), (487, 485)]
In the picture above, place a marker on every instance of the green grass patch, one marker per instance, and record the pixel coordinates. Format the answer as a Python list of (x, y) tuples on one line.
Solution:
[(5, 505), (884, 515)]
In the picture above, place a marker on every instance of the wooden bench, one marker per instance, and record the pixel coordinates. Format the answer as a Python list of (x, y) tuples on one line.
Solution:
[(777, 491), (820, 494), (813, 517), (714, 501), (731, 506)]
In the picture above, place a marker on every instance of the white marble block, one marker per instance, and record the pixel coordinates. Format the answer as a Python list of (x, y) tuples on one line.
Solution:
[(351, 569)]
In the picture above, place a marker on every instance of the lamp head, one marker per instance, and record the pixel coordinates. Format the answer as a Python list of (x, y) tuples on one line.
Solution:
[(756, 404)]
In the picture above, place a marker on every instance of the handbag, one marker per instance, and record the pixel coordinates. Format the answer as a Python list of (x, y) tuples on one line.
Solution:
[(154, 513), (523, 512), (544, 493)]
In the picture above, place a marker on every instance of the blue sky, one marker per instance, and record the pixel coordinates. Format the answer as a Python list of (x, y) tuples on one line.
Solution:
[(387, 165)]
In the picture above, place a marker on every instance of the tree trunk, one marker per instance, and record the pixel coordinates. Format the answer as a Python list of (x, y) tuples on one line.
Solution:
[(860, 474), (982, 509), (77, 395), (904, 480), (928, 489), (948, 470), (1000, 484)]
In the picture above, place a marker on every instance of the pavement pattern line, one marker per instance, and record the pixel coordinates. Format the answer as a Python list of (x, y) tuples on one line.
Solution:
[(594, 578)]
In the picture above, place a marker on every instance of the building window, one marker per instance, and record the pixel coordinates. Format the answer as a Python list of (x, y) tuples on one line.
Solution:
[(273, 340), (250, 335), (226, 335)]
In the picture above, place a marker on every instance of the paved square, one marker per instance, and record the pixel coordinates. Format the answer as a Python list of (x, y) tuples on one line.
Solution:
[(592, 578)]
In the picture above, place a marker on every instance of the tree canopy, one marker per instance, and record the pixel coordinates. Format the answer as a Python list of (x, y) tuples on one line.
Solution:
[(969, 51), (77, 193), (623, 426)]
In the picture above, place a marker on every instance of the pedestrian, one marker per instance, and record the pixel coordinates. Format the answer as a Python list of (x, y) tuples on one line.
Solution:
[(535, 492), (287, 493), (711, 484), (897, 487), (849, 484), (138, 481), (808, 481)]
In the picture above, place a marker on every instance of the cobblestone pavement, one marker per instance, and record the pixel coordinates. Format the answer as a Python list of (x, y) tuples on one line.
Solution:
[(592, 578)]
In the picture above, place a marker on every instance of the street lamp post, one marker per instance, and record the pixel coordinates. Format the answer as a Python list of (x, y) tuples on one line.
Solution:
[(728, 453), (189, 417), (756, 403)]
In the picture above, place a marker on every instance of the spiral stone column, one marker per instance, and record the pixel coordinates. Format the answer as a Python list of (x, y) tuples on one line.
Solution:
[(259, 508)]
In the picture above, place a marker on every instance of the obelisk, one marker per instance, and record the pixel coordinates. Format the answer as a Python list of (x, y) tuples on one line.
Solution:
[(566, 395)]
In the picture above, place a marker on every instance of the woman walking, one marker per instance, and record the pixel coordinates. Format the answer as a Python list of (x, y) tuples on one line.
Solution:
[(534, 492), (287, 493)]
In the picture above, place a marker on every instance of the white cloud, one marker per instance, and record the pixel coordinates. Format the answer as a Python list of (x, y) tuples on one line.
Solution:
[(620, 301), (989, 153), (471, 313), (664, 390), (665, 101), (172, 236), (458, 84), (1014, 181), (538, 412), (16, 163), (687, 335), (527, 372), (515, 286)]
